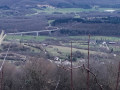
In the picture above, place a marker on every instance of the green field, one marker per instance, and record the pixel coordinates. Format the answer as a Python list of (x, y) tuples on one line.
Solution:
[(96, 38), (73, 38), (62, 10), (50, 22), (63, 52), (64, 47), (29, 37), (67, 10)]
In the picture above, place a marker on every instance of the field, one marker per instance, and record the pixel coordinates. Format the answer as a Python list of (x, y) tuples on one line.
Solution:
[(42, 38), (28, 37), (63, 52), (61, 46), (108, 38), (69, 10)]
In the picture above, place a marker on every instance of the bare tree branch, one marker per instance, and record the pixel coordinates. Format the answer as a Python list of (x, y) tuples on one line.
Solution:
[(94, 77), (60, 66), (57, 83), (2, 36)]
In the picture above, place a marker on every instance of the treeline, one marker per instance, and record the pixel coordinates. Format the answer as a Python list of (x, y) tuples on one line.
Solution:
[(4, 7), (112, 20), (22, 24), (71, 5), (40, 74), (96, 26), (63, 3), (87, 32), (110, 6)]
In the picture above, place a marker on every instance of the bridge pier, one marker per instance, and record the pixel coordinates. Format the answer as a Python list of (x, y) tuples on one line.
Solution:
[(37, 34), (50, 33), (21, 34)]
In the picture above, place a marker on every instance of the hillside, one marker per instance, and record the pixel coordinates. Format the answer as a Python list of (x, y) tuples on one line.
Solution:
[(59, 3), (59, 45), (32, 15)]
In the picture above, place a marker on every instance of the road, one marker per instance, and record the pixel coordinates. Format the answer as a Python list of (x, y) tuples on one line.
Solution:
[(37, 32)]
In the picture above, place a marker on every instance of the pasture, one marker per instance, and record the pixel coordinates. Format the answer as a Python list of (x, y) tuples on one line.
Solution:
[(61, 46), (68, 10)]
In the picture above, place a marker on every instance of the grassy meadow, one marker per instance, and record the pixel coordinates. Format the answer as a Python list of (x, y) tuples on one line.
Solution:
[(60, 46), (68, 10)]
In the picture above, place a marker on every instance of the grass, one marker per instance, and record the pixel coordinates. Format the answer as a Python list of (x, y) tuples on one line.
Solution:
[(54, 50), (76, 16), (50, 21), (72, 38), (64, 49), (115, 48), (32, 48), (104, 9), (28, 37), (62, 10), (67, 10), (109, 38)]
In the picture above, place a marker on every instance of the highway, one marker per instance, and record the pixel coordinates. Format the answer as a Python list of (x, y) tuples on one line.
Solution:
[(37, 32)]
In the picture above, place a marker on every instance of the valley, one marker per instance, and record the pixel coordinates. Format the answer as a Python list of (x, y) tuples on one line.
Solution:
[(59, 45)]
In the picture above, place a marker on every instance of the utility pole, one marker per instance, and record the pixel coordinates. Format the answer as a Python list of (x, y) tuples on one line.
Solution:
[(118, 77), (88, 66), (71, 69), (1, 79)]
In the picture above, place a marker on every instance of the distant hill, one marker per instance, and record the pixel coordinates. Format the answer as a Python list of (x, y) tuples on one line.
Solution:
[(60, 3), (15, 13)]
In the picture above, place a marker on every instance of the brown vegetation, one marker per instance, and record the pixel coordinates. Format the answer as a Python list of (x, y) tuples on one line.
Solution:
[(40, 74)]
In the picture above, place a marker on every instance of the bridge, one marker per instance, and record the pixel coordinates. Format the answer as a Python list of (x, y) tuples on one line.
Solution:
[(37, 32)]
